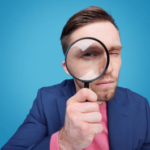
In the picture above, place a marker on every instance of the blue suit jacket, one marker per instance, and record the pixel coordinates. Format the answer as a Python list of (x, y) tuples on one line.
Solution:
[(128, 120)]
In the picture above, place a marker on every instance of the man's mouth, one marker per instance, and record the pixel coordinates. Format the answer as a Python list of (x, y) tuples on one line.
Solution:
[(105, 83)]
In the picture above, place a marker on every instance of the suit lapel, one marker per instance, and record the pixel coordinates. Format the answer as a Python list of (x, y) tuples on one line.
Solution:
[(119, 122), (61, 103), (68, 90)]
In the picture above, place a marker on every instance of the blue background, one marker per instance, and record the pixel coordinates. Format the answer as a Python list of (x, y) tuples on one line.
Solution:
[(31, 54)]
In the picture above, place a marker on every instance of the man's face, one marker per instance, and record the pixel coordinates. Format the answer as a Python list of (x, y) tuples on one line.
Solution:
[(106, 32)]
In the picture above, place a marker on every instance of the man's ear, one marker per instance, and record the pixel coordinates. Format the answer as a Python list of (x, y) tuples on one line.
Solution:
[(64, 66)]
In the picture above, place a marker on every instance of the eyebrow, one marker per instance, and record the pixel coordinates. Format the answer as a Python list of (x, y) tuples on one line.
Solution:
[(117, 47)]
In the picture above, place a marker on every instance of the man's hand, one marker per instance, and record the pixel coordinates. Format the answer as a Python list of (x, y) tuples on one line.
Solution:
[(82, 121)]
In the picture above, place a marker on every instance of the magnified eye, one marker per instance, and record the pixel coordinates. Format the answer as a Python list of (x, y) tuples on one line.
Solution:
[(92, 54), (88, 54)]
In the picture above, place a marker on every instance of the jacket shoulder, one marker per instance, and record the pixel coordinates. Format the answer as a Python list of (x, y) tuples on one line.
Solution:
[(54, 90), (131, 96), (130, 93)]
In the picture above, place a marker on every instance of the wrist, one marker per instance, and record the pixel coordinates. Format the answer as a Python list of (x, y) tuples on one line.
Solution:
[(63, 142)]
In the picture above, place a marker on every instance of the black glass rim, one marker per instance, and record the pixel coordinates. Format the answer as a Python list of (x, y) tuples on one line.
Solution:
[(92, 38)]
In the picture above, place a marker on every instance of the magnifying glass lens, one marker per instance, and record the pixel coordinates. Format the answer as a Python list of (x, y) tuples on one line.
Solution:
[(86, 59)]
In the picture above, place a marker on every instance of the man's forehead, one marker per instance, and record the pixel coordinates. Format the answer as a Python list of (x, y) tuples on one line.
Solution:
[(103, 31)]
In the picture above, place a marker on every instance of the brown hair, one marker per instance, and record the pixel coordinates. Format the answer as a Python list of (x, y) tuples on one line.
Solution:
[(81, 18)]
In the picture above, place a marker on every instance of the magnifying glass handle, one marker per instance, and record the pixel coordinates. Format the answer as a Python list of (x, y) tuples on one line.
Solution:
[(86, 85)]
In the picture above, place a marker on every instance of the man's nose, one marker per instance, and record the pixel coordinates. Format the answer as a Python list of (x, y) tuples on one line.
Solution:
[(109, 69)]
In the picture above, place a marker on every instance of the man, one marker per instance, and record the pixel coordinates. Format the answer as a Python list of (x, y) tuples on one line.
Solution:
[(113, 118)]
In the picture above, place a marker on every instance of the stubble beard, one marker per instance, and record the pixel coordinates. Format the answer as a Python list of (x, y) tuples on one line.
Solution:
[(106, 94)]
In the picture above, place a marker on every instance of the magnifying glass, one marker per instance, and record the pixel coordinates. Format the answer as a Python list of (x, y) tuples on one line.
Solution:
[(87, 59)]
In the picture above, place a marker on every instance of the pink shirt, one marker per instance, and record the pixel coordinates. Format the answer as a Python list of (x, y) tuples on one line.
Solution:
[(100, 141)]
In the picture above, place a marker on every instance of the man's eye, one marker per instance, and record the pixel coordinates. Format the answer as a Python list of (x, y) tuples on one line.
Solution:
[(114, 53), (88, 54)]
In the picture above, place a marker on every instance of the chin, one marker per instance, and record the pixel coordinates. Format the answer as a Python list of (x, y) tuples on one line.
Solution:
[(106, 95)]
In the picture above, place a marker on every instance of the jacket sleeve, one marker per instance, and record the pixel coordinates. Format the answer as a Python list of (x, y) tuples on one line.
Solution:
[(146, 144), (32, 134)]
